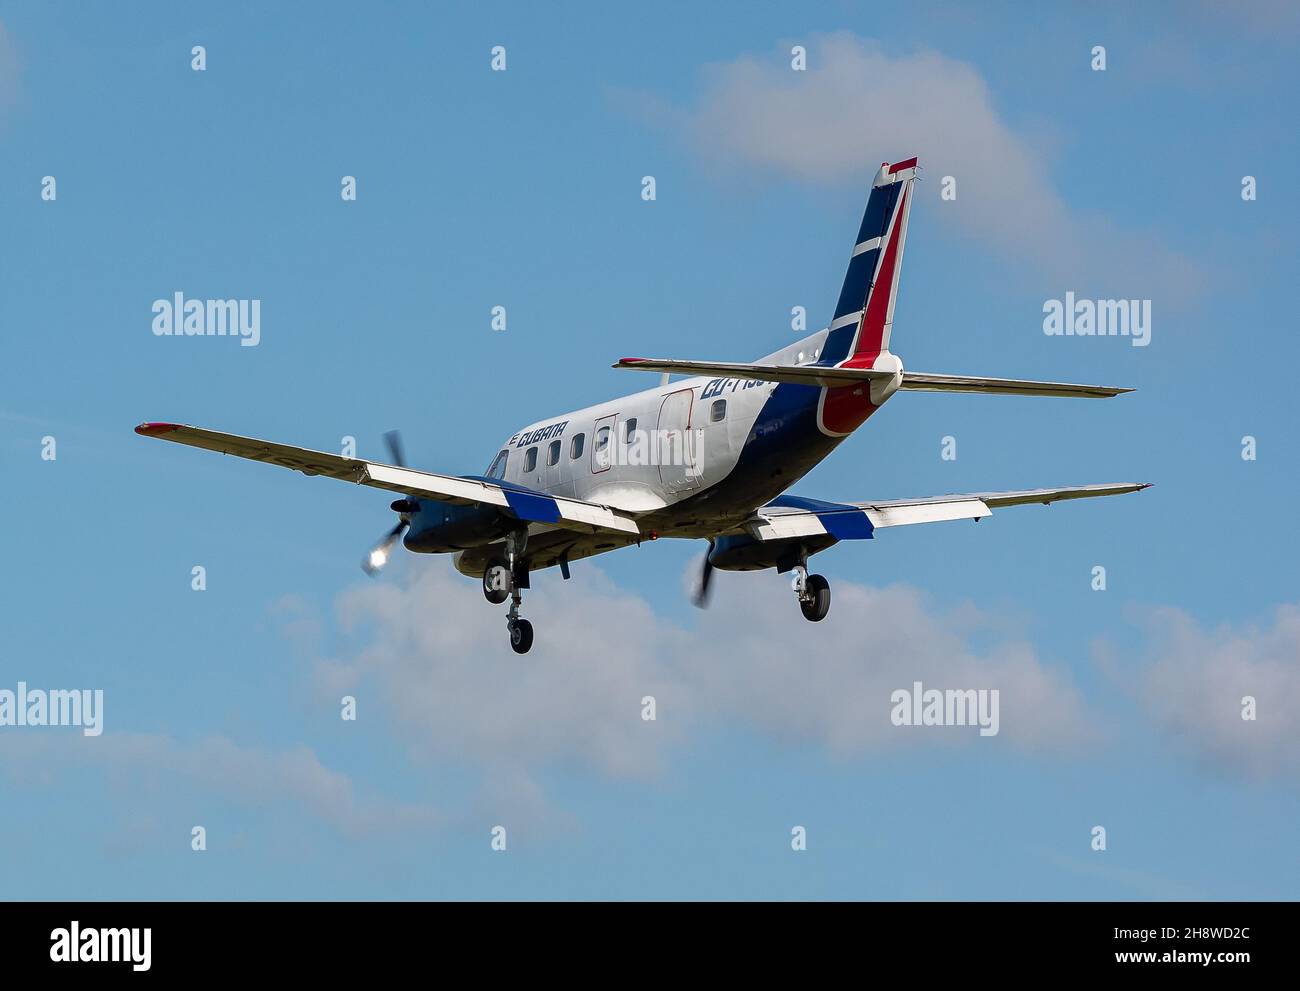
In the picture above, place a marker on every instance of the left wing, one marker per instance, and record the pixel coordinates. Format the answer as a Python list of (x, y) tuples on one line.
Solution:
[(790, 516), (525, 504)]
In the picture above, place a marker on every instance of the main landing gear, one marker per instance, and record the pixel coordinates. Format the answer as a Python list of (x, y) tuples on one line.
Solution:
[(814, 593), (505, 580)]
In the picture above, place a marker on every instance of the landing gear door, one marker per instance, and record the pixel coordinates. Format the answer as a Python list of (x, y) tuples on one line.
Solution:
[(675, 443)]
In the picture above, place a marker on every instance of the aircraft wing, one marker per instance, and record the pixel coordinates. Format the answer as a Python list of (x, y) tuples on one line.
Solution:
[(526, 504), (790, 516)]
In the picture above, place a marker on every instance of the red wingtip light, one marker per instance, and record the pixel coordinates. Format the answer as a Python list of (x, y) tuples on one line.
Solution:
[(154, 429)]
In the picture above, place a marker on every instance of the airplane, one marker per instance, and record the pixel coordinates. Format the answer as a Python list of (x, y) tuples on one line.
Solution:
[(709, 457)]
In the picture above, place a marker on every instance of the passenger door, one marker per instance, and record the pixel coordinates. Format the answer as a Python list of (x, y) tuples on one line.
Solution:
[(602, 444), (675, 443)]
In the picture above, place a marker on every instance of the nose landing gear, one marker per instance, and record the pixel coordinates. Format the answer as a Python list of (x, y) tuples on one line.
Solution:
[(521, 631), (813, 592)]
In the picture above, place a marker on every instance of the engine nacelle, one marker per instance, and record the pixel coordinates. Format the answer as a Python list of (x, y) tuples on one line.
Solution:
[(741, 552), (438, 528)]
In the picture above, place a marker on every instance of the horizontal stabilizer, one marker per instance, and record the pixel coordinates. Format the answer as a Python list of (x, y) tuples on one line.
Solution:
[(796, 374), (820, 375), (928, 382)]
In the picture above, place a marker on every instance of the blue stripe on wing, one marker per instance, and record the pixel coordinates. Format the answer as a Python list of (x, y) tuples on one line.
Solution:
[(527, 504), (841, 521)]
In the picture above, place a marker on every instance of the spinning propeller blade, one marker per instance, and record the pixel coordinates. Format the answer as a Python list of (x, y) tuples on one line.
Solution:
[(374, 562), (394, 441), (701, 596)]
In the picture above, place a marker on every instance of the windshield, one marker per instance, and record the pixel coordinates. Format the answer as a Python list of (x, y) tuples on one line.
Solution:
[(498, 469)]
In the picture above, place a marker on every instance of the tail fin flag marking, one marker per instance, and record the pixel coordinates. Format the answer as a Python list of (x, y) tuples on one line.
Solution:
[(864, 314)]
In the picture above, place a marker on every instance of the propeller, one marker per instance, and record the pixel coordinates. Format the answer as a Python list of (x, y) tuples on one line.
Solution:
[(374, 562), (394, 441), (701, 596)]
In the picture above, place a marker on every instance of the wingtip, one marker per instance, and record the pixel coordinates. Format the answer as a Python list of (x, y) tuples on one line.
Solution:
[(153, 429)]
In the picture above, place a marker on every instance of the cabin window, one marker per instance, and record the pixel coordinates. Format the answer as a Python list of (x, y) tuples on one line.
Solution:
[(530, 459), (553, 453), (718, 411), (498, 469), (600, 452), (575, 446)]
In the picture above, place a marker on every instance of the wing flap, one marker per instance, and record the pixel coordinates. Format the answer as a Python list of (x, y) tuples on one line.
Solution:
[(524, 503)]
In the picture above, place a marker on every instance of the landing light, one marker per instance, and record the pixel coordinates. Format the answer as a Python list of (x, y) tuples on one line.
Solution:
[(378, 557)]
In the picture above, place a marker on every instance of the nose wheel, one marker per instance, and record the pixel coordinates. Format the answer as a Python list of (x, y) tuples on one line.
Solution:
[(814, 594), (521, 636)]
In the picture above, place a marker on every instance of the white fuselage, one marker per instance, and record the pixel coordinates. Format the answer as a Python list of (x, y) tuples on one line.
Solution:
[(686, 437)]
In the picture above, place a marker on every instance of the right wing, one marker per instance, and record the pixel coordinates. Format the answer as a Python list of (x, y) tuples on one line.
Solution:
[(790, 516), (526, 504), (820, 375)]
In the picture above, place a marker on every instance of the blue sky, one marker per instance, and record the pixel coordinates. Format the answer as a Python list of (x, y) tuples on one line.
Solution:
[(522, 189)]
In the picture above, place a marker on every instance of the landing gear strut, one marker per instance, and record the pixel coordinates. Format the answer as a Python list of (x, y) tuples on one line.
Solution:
[(507, 579), (813, 592)]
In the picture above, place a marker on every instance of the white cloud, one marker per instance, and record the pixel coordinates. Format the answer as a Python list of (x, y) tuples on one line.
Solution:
[(250, 775), (855, 106), (439, 657), (1194, 679)]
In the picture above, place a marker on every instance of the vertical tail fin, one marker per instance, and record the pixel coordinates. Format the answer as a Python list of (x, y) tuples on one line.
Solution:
[(864, 313)]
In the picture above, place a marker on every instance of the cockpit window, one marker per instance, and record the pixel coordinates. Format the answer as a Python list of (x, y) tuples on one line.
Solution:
[(498, 469)]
